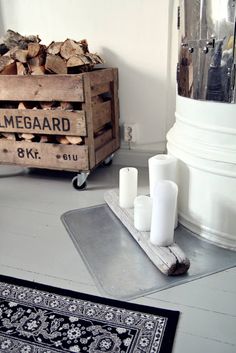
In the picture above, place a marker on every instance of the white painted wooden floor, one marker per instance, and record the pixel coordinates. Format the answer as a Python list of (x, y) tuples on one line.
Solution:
[(35, 246)]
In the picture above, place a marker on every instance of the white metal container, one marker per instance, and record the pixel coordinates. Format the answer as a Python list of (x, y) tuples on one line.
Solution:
[(203, 140)]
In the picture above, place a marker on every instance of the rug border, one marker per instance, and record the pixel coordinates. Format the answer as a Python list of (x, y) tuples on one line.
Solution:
[(171, 315)]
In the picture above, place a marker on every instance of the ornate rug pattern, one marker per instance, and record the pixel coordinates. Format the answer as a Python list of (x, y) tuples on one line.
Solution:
[(35, 318)]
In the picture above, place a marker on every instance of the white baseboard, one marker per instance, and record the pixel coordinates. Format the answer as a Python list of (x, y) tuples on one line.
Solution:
[(138, 155)]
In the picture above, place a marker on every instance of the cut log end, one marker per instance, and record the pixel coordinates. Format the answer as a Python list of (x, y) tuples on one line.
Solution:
[(71, 48), (55, 64), (74, 140)]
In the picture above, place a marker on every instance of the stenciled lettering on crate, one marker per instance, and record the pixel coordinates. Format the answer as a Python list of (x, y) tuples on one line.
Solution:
[(47, 122), (44, 155)]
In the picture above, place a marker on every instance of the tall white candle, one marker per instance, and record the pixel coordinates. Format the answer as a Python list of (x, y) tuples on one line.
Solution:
[(143, 213), (161, 167), (128, 187), (163, 213)]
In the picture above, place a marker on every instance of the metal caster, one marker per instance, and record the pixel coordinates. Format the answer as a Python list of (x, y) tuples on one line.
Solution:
[(108, 160), (79, 181)]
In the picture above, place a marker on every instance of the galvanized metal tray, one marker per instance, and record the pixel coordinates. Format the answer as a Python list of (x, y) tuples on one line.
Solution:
[(119, 266)]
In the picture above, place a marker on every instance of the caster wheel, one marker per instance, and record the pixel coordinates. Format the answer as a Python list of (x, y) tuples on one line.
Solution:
[(78, 187), (108, 161)]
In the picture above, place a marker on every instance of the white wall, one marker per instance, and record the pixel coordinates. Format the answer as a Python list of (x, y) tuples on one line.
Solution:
[(133, 35)]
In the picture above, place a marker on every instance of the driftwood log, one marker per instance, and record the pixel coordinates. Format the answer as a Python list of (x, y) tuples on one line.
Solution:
[(170, 260)]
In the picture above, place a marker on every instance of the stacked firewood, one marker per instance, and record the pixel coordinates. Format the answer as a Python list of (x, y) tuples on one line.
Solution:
[(25, 55)]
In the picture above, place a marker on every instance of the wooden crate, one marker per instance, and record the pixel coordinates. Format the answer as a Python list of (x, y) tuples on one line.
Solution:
[(97, 122)]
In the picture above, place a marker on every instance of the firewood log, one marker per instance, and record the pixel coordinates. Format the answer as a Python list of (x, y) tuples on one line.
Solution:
[(20, 68), (70, 48), (27, 105), (55, 64), (22, 105), (84, 45), (13, 39), (9, 69), (9, 135), (65, 106), (54, 48), (46, 105), (33, 49), (26, 137), (74, 140), (74, 61), (63, 140), (38, 60), (98, 59), (92, 58), (44, 138), (20, 55), (5, 61), (37, 70)]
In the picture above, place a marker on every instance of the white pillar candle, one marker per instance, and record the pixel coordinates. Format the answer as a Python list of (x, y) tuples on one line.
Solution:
[(142, 213), (161, 167), (163, 213), (128, 187)]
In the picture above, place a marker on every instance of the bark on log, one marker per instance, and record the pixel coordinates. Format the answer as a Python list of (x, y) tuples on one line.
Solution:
[(13, 39), (84, 45)]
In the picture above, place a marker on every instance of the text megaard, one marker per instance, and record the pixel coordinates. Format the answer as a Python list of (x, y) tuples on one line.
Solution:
[(34, 123)]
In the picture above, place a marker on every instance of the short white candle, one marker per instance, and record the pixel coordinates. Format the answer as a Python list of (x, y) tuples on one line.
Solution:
[(128, 187), (163, 213), (143, 213)]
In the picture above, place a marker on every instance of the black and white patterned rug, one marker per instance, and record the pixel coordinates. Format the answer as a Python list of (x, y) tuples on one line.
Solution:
[(35, 318)]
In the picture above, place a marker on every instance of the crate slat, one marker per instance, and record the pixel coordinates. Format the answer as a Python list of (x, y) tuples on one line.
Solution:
[(99, 89), (42, 88), (101, 115), (51, 122), (105, 151), (102, 139), (115, 108), (44, 155), (100, 76)]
